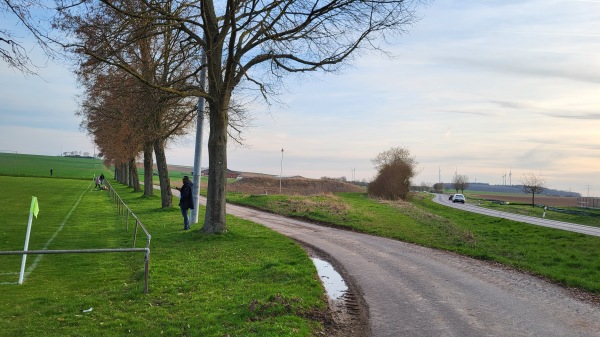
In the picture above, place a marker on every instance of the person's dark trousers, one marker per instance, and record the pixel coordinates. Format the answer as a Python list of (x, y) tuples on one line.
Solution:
[(186, 220)]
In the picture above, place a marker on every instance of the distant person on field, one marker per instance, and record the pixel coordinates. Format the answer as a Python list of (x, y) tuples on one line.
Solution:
[(97, 179), (102, 178), (186, 200), (51, 172)]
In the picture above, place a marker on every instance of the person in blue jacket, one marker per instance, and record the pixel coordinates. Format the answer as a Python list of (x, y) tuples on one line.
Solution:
[(186, 200)]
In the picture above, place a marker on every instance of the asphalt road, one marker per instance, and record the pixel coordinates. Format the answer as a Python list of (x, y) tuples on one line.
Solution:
[(443, 199)]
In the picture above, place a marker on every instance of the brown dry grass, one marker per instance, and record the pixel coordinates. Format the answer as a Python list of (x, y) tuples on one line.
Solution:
[(291, 186), (328, 203)]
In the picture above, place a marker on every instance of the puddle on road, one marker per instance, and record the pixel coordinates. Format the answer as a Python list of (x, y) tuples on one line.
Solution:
[(332, 281)]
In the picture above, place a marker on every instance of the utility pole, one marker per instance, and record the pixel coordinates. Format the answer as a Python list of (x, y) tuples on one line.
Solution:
[(281, 171), (197, 178)]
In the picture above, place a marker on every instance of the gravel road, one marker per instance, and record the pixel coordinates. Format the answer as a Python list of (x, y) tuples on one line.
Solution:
[(410, 290), (416, 291)]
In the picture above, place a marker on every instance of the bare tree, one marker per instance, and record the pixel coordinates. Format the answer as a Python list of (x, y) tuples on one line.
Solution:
[(395, 154), (460, 182), (249, 46), (532, 184), (31, 15)]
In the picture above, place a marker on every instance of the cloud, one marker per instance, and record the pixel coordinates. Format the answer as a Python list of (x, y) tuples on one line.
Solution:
[(584, 116), (478, 86)]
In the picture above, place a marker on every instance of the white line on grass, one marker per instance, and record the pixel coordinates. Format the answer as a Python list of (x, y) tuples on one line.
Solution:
[(62, 225), (7, 283)]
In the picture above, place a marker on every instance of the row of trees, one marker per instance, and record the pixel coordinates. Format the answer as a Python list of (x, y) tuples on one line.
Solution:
[(76, 154), (142, 62)]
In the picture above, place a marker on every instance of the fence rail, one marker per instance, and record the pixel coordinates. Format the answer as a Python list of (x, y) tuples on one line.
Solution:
[(588, 202), (125, 212)]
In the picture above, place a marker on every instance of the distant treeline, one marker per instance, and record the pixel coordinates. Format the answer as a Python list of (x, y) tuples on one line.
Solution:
[(78, 154)]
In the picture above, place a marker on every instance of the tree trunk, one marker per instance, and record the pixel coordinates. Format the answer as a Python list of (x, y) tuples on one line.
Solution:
[(129, 174), (117, 173), (133, 176), (163, 173), (148, 170), (124, 174), (214, 220)]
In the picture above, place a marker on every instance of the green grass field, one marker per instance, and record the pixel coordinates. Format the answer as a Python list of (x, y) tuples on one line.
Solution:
[(250, 281), (27, 165)]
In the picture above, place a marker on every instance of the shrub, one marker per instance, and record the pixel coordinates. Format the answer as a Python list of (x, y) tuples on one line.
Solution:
[(392, 181)]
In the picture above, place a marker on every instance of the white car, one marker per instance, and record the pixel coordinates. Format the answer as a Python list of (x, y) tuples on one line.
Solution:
[(458, 198)]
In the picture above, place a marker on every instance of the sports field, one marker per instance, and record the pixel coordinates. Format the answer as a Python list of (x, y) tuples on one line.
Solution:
[(250, 281)]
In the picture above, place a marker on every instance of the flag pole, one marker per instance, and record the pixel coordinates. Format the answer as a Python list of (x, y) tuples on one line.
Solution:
[(33, 209)]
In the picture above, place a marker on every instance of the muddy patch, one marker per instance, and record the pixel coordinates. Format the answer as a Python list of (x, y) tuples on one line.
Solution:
[(349, 312)]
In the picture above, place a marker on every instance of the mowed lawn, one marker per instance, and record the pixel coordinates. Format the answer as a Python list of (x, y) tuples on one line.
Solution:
[(250, 281)]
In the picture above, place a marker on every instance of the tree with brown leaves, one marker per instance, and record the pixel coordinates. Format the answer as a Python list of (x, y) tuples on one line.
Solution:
[(249, 46)]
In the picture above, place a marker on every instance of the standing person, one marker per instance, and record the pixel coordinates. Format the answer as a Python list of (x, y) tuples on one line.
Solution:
[(186, 200), (102, 178), (97, 180), (51, 172)]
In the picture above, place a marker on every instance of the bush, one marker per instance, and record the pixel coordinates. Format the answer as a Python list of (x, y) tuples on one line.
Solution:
[(392, 181)]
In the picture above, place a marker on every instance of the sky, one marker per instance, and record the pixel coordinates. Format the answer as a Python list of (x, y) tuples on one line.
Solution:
[(488, 89)]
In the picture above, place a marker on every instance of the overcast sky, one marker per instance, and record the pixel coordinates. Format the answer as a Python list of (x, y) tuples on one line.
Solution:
[(480, 88)]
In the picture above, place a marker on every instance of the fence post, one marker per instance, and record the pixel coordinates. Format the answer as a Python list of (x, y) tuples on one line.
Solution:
[(146, 269)]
